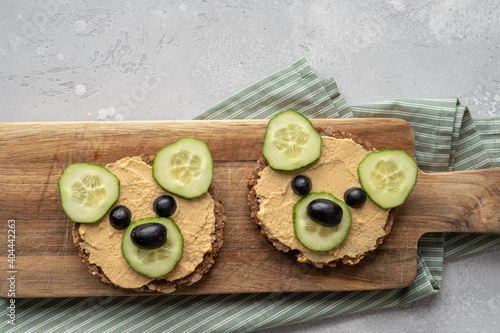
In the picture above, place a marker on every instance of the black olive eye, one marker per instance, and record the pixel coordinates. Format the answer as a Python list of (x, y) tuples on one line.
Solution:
[(149, 236), (120, 217), (355, 197), (164, 205), (301, 185), (325, 212)]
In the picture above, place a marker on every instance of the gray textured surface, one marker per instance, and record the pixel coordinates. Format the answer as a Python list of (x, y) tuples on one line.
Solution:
[(111, 61)]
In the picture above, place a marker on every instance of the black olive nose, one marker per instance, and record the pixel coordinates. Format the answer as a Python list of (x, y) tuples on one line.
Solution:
[(149, 236), (325, 212)]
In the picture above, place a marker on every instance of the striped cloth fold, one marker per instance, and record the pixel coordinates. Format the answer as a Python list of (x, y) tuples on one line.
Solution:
[(447, 139)]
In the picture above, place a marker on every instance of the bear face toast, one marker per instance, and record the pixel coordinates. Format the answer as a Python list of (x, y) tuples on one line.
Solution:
[(326, 195), (192, 240), (334, 172)]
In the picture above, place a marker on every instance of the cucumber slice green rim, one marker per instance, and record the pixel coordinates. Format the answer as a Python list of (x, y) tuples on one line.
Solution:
[(87, 191), (184, 167), (157, 262), (314, 236), (388, 176), (291, 142)]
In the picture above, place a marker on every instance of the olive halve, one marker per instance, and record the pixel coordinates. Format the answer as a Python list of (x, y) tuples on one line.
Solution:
[(355, 197), (120, 217), (301, 185), (325, 212), (165, 205), (149, 236)]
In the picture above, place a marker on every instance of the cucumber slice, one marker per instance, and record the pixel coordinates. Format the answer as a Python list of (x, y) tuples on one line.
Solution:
[(87, 191), (388, 176), (314, 236), (157, 262), (184, 167), (291, 142)]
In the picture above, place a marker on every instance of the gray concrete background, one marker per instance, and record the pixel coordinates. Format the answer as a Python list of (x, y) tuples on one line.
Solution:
[(160, 59)]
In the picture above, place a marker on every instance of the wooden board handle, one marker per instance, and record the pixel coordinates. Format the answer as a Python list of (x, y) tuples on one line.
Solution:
[(458, 201)]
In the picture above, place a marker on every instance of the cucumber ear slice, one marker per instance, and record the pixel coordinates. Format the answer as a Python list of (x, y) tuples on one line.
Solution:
[(184, 167), (291, 142), (388, 176), (87, 191)]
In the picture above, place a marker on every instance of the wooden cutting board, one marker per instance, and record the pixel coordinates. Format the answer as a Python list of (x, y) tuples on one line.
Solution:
[(46, 263)]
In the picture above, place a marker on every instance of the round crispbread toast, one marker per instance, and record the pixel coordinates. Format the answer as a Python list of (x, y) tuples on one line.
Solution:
[(162, 285), (255, 206)]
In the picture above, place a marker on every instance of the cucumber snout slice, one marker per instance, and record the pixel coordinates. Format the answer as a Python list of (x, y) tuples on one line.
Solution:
[(388, 176), (87, 191), (155, 262), (314, 236), (291, 142), (184, 167)]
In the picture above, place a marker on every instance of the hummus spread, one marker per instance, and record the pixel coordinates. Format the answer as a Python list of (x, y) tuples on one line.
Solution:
[(138, 190), (334, 172)]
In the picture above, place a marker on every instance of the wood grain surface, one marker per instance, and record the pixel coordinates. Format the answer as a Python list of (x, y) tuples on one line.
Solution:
[(33, 155)]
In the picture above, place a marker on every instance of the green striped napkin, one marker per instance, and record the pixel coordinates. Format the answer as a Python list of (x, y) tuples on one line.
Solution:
[(447, 138)]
